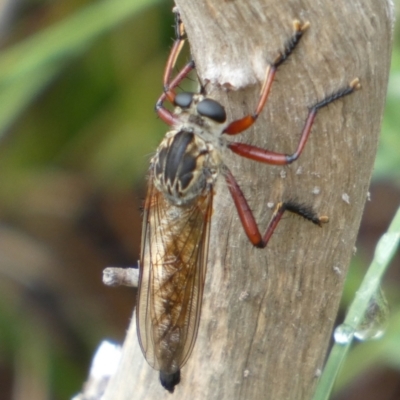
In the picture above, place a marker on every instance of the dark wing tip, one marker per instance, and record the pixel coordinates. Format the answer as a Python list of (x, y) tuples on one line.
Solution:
[(169, 381)]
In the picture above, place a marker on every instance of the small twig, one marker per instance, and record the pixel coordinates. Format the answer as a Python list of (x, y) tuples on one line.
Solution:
[(115, 276)]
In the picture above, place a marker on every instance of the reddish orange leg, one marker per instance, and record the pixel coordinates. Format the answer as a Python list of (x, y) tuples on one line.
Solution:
[(247, 218), (269, 157), (176, 49), (247, 121), (169, 86)]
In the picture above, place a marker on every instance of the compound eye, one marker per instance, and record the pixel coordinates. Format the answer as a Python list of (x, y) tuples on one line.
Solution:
[(183, 100), (211, 109)]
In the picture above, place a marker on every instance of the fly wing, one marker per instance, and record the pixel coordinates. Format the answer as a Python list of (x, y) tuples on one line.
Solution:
[(172, 273)]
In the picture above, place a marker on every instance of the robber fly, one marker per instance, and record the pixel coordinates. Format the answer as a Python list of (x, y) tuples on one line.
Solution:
[(178, 207)]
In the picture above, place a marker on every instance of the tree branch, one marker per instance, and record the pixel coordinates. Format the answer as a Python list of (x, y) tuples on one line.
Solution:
[(268, 314)]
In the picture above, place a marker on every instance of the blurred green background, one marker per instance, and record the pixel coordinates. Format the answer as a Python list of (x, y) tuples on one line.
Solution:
[(78, 83)]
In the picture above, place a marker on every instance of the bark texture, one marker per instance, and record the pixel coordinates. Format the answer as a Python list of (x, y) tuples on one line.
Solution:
[(268, 314)]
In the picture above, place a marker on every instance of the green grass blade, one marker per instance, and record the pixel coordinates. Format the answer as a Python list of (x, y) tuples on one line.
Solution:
[(30, 65), (67, 37), (384, 252)]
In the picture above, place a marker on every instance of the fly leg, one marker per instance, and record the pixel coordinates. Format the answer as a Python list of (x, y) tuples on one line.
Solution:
[(270, 157), (169, 86), (247, 121), (248, 221)]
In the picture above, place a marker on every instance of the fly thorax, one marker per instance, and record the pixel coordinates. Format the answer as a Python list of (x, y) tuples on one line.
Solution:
[(184, 167)]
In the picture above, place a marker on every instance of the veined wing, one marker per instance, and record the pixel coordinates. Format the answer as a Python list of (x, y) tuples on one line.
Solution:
[(172, 273)]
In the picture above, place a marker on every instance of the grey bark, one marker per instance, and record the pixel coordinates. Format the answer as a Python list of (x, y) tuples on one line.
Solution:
[(268, 314)]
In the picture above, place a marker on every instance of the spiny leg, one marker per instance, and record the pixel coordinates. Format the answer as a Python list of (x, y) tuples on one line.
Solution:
[(244, 123), (170, 86), (180, 36), (247, 218), (270, 157)]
